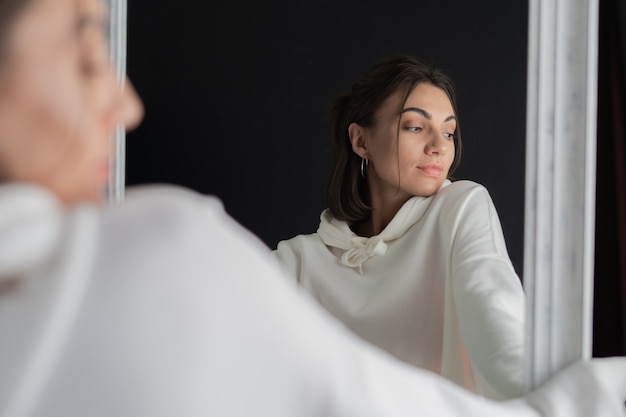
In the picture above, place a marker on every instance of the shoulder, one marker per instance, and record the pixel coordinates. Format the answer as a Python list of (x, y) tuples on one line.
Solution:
[(461, 189), (462, 195), (290, 253), (463, 201), (170, 199), (165, 209), (178, 245), (289, 249), (175, 276), (175, 222), (299, 241)]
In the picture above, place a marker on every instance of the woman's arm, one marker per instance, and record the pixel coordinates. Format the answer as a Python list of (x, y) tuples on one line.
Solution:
[(487, 293)]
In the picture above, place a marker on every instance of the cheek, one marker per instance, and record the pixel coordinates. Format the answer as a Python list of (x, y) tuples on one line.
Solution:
[(385, 160), (382, 145), (411, 153), (56, 99), (450, 154), (45, 123)]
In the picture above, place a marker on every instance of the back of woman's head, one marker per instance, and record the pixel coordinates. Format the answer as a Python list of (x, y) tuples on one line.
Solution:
[(347, 192)]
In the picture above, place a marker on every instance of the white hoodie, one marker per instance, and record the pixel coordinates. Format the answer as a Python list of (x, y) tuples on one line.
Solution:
[(163, 306), (435, 288)]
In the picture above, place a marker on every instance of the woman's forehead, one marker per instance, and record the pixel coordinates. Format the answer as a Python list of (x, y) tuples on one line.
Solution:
[(45, 25), (67, 9), (428, 96), (424, 96)]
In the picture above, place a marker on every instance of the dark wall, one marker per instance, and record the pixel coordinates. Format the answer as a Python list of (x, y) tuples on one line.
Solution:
[(237, 93), (609, 314)]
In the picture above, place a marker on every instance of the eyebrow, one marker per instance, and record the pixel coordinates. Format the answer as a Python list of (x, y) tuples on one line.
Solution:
[(425, 113)]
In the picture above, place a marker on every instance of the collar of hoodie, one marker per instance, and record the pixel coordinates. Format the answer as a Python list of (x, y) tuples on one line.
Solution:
[(358, 249)]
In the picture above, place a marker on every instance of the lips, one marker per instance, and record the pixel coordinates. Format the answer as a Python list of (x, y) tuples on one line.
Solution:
[(432, 170)]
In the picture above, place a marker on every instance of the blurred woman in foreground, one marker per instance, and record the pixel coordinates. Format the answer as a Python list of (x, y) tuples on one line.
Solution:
[(163, 306)]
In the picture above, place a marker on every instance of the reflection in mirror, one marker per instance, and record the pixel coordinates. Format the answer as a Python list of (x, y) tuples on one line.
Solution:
[(238, 107), (408, 260)]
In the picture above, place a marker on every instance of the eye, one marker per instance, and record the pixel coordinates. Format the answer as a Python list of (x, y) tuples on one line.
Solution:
[(448, 135), (413, 128), (93, 60), (94, 52), (89, 68)]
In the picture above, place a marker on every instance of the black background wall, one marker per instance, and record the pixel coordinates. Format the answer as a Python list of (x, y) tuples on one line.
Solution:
[(237, 94), (609, 315)]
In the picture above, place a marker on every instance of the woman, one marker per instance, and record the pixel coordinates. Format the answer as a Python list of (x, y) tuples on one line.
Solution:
[(408, 260), (145, 308)]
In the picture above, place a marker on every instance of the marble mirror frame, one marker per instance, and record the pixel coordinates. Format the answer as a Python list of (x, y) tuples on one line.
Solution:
[(560, 183), (560, 176)]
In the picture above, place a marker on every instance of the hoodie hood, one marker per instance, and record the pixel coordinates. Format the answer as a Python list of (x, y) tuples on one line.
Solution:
[(29, 228), (358, 249)]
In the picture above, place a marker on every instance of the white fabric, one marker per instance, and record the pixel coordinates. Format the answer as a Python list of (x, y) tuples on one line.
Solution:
[(163, 306), (435, 288), (358, 249)]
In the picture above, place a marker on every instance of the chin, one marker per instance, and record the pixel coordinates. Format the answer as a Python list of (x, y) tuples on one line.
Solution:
[(427, 191), (422, 192)]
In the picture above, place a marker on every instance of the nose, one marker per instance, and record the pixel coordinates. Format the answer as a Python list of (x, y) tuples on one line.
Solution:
[(130, 108), (438, 144), (126, 107)]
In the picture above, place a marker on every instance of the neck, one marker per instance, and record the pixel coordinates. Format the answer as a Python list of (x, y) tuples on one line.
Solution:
[(385, 204)]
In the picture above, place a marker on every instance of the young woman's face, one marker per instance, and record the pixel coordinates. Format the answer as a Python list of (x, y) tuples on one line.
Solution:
[(59, 99), (414, 161)]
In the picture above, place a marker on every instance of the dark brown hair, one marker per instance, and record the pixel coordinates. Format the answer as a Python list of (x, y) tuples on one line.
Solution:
[(347, 193), (9, 11)]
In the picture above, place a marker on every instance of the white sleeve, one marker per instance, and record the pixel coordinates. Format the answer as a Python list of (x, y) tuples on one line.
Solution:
[(186, 317), (488, 296)]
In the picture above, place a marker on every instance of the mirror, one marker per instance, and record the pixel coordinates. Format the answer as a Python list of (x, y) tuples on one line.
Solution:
[(117, 51), (237, 102), (237, 97)]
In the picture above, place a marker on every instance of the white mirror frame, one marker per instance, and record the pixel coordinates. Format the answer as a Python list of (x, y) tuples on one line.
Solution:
[(560, 183), (117, 48), (560, 176)]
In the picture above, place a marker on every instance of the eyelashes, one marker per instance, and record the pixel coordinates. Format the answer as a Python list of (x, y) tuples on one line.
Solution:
[(89, 68), (418, 129), (94, 59)]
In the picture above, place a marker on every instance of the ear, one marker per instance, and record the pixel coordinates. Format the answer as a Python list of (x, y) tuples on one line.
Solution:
[(357, 134)]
